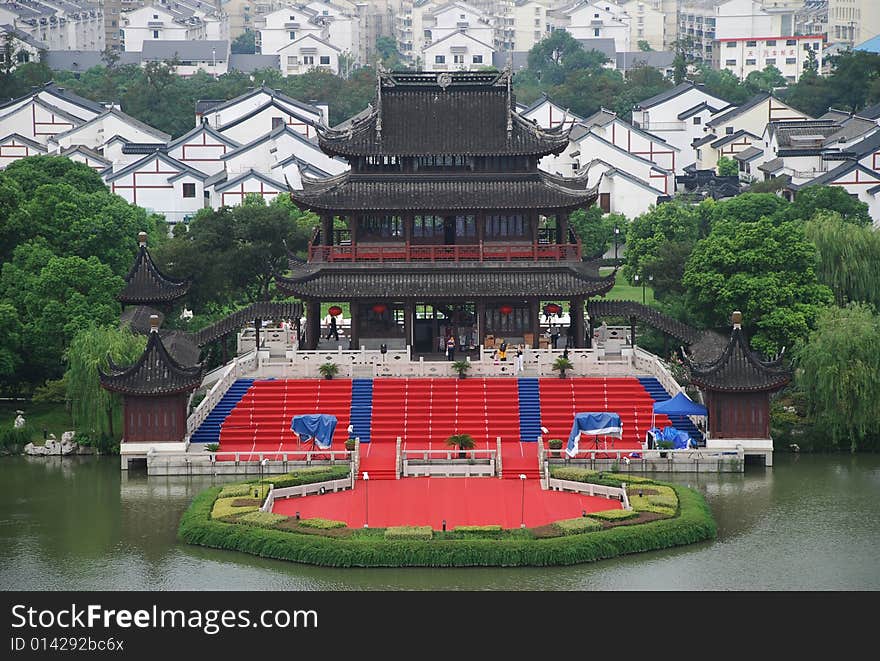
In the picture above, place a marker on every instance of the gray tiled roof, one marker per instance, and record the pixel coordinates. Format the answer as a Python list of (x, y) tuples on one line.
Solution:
[(250, 63), (738, 369), (155, 373), (199, 50)]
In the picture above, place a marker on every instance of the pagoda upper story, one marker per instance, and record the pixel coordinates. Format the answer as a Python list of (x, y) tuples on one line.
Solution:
[(443, 168), (145, 284)]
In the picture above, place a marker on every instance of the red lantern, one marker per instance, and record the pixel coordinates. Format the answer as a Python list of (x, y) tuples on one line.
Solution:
[(505, 309), (335, 311), (379, 308), (552, 308)]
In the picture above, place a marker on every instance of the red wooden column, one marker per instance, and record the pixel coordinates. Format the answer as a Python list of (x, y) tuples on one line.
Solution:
[(535, 321), (326, 230), (562, 228)]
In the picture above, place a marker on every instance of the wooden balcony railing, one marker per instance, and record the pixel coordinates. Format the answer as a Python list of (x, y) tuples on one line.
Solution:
[(405, 252)]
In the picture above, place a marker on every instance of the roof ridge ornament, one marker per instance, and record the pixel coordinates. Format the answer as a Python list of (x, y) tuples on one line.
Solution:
[(444, 80), (378, 104)]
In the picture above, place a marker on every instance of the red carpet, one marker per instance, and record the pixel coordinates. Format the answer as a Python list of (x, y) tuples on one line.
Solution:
[(461, 501)]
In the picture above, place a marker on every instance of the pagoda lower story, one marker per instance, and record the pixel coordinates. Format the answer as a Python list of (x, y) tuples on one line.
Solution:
[(418, 306)]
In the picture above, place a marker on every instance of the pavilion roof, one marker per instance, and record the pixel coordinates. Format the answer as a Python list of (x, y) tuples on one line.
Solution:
[(155, 373), (146, 285), (444, 191), (463, 281), (470, 113), (738, 369)]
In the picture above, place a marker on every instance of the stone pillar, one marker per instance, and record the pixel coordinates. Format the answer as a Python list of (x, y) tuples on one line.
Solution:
[(257, 324), (535, 321), (409, 320), (481, 320), (592, 331), (326, 230), (313, 323), (632, 332), (577, 309), (353, 333)]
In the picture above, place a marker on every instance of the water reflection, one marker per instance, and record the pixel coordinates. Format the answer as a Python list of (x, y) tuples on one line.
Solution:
[(78, 523)]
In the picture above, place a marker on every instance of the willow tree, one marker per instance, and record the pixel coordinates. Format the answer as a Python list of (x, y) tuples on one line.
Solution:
[(849, 257), (837, 373), (91, 406)]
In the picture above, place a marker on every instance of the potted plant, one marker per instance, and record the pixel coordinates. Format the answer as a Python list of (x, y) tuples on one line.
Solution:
[(328, 370), (462, 442), (562, 363), (461, 366), (555, 444), (351, 443), (212, 448), (664, 445)]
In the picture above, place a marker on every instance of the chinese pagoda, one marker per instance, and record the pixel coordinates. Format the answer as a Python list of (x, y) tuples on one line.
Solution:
[(737, 386), (444, 225), (155, 393)]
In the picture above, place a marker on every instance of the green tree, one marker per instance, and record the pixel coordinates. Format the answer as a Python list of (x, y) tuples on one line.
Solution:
[(837, 373), (93, 408), (767, 269), (232, 253), (854, 74), (389, 56), (767, 80), (644, 46), (552, 58), (10, 341), (245, 43), (670, 229), (723, 83), (811, 199), (849, 257), (727, 167), (596, 230)]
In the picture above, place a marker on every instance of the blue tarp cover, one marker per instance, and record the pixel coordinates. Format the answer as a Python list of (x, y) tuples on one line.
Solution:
[(680, 439), (315, 425), (594, 424), (680, 405)]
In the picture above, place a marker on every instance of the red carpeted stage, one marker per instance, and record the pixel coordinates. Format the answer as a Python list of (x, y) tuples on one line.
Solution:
[(427, 501)]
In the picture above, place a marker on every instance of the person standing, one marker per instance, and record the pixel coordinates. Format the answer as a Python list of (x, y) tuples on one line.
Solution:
[(502, 351), (520, 359), (450, 348), (554, 335), (334, 331)]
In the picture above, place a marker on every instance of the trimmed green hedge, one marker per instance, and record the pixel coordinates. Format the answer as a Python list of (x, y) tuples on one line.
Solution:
[(224, 507), (409, 533), (693, 523), (323, 524), (577, 526), (262, 519), (478, 529), (308, 476), (614, 515), (236, 490)]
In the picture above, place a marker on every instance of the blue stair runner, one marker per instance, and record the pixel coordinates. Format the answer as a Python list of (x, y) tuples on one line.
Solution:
[(362, 408), (529, 409), (659, 394), (209, 430)]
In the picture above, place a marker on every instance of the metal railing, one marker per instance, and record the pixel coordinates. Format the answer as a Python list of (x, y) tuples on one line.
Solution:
[(407, 252), (304, 490)]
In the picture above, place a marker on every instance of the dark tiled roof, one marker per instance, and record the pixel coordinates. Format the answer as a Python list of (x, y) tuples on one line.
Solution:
[(450, 281), (724, 139), (137, 318), (145, 284), (142, 147), (738, 369), (156, 373), (431, 192), (748, 154), (464, 113)]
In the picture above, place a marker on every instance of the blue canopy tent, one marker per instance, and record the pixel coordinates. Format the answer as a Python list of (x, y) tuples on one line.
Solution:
[(594, 424), (317, 426), (681, 404), (680, 440)]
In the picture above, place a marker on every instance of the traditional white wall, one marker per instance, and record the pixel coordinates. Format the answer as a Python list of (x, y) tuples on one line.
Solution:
[(97, 131), (13, 149), (276, 33), (601, 20), (306, 53), (202, 151), (238, 108), (470, 53), (263, 121), (144, 24), (36, 121)]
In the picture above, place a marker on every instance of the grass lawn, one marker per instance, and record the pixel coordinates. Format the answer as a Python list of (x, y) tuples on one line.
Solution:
[(625, 291), (51, 417)]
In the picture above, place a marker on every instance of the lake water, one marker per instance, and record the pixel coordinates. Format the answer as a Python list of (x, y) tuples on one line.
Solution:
[(808, 523)]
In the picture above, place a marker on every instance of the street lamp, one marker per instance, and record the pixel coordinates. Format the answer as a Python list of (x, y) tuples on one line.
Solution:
[(616, 241), (367, 499), (522, 511)]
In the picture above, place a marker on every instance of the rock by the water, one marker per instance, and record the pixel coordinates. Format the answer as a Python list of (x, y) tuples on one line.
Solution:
[(68, 436)]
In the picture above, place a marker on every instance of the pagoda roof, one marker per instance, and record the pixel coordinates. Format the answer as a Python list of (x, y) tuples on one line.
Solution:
[(146, 285), (738, 369), (447, 191), (468, 113), (467, 281), (156, 373)]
